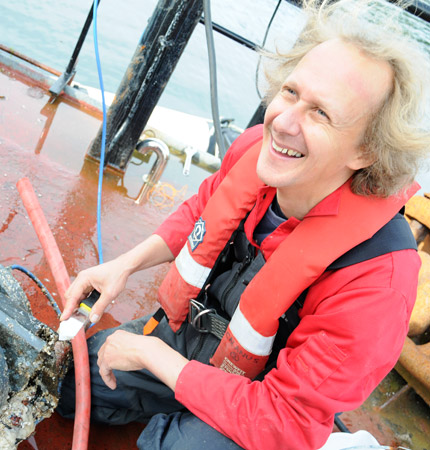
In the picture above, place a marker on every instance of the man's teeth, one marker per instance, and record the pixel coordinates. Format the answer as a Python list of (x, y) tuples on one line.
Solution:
[(286, 151)]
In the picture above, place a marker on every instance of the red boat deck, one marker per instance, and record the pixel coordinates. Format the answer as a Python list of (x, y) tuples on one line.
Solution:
[(47, 143)]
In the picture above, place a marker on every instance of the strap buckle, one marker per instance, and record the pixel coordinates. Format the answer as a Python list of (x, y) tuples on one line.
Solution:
[(197, 312), (206, 320)]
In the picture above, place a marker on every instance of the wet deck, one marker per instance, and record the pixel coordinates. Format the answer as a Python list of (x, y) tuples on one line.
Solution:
[(47, 143)]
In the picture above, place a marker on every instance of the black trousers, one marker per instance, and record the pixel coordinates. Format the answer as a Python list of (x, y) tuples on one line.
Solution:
[(141, 397)]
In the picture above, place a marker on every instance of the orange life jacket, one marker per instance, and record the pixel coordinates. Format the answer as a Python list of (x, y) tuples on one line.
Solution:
[(298, 261)]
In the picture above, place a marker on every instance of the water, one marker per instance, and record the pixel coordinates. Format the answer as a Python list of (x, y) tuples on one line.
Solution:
[(47, 31)]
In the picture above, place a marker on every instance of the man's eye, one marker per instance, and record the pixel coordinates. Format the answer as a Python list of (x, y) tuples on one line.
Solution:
[(322, 113), (289, 90)]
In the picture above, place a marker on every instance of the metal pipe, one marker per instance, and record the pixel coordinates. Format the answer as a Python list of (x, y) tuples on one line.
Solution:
[(32, 61), (232, 35), (213, 78), (70, 71), (162, 152)]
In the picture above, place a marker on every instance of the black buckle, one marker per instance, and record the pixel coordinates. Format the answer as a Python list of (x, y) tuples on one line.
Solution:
[(197, 312)]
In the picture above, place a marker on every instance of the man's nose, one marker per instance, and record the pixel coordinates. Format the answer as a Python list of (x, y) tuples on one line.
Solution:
[(289, 120)]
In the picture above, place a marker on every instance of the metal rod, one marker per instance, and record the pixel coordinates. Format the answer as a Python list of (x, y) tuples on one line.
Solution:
[(417, 8), (70, 71), (81, 38), (32, 61), (232, 35)]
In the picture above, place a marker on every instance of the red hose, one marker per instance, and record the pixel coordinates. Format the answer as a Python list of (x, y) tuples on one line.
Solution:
[(79, 344)]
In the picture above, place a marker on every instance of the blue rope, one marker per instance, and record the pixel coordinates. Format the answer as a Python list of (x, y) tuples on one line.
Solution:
[(103, 143), (41, 285)]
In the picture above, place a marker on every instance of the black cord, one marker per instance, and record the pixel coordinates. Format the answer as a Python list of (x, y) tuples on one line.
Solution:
[(342, 427), (262, 46), (41, 286), (213, 80)]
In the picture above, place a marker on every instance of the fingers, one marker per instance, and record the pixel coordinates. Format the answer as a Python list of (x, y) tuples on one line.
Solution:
[(105, 370), (107, 376), (98, 278), (77, 291), (99, 307)]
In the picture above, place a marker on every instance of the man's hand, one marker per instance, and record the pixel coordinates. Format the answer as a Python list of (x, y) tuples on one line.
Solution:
[(109, 279), (128, 351)]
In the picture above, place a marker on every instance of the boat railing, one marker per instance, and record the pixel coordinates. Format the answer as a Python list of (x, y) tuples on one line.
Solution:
[(162, 156)]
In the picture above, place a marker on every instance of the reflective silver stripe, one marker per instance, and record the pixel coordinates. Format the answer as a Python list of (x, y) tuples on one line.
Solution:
[(248, 338), (191, 271)]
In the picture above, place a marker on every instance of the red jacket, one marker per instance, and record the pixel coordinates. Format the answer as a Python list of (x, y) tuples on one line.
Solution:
[(352, 329)]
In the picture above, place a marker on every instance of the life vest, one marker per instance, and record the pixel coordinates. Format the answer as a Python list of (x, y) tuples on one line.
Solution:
[(298, 261)]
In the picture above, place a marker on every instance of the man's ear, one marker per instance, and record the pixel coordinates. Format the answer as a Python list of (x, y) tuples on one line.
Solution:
[(362, 160)]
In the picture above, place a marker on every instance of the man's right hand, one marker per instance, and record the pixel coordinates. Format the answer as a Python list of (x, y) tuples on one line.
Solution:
[(109, 279)]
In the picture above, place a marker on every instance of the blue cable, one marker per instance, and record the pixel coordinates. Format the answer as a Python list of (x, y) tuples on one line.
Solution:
[(103, 143), (41, 285)]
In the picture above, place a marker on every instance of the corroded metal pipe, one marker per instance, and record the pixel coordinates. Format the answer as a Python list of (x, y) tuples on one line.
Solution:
[(414, 366)]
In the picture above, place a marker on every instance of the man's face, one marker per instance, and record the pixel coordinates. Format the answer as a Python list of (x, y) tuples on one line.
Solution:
[(314, 127)]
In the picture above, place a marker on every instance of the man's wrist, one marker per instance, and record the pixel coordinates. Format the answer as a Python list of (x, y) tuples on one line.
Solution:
[(163, 361)]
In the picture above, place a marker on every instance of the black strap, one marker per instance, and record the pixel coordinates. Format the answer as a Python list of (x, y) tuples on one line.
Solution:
[(394, 236)]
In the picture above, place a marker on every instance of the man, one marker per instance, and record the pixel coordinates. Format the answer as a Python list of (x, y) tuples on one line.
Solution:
[(283, 331)]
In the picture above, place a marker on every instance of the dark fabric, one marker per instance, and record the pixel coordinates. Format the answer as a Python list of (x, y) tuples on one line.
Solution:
[(270, 221), (180, 431), (394, 236), (141, 397), (138, 396)]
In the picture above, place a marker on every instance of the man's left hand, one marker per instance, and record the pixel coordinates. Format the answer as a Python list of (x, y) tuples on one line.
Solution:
[(128, 351)]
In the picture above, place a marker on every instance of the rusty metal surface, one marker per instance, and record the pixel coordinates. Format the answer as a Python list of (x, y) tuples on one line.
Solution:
[(394, 415), (47, 142), (414, 366), (420, 319), (418, 208), (414, 362)]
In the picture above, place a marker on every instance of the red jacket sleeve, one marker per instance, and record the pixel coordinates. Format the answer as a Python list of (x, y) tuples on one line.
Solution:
[(353, 325), (176, 228)]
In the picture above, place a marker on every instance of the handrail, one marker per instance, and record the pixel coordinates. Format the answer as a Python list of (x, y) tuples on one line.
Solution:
[(162, 151)]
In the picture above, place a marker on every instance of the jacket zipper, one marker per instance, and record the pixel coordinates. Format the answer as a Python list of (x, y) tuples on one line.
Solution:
[(233, 282)]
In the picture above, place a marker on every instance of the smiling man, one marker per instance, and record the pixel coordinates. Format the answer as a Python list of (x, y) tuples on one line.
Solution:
[(294, 276), (315, 126)]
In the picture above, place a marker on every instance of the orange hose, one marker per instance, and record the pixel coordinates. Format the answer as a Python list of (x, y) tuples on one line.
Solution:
[(79, 344)]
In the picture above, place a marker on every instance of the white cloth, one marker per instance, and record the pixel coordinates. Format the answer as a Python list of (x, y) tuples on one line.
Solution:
[(361, 440)]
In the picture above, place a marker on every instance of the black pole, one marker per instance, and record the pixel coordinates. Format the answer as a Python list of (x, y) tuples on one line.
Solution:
[(418, 8), (70, 71), (232, 35), (153, 62)]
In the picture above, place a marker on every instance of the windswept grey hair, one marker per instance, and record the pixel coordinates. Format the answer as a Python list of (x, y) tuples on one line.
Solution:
[(395, 139)]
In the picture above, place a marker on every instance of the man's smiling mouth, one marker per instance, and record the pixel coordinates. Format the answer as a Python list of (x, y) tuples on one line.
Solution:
[(286, 151)]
